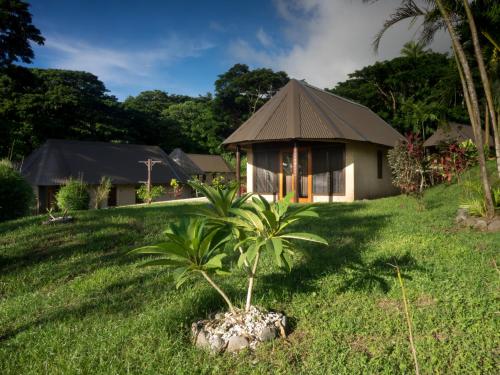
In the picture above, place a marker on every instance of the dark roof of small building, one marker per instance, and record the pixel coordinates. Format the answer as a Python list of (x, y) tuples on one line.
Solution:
[(303, 112), (453, 132), (57, 160), (210, 163), (185, 162)]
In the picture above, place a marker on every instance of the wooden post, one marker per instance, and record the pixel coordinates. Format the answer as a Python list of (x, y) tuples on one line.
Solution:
[(238, 169), (295, 173), (149, 164)]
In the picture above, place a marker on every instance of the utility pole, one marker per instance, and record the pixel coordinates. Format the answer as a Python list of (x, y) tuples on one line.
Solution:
[(149, 164)]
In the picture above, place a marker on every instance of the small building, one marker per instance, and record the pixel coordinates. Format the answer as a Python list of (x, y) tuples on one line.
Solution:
[(453, 133), (204, 167), (320, 146), (48, 167)]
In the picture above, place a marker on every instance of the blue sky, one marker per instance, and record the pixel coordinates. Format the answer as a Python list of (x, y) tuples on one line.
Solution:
[(181, 46)]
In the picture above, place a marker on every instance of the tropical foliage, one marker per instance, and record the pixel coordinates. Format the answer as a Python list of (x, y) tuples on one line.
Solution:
[(73, 195), (16, 195), (249, 228), (192, 247), (149, 193)]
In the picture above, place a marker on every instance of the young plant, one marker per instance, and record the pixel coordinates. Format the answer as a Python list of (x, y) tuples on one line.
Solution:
[(222, 199), (176, 188), (102, 191), (148, 195), (264, 225), (192, 248)]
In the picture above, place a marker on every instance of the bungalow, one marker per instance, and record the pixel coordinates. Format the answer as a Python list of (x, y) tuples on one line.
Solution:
[(48, 167), (453, 132), (321, 146), (203, 166)]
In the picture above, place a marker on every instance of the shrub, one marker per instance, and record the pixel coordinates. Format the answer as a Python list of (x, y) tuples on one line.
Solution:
[(452, 160), (102, 191), (408, 165), (147, 196), (73, 195), (16, 195), (473, 196)]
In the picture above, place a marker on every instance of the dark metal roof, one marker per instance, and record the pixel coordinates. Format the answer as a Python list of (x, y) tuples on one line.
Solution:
[(210, 163), (57, 160), (303, 112), (186, 164), (453, 132)]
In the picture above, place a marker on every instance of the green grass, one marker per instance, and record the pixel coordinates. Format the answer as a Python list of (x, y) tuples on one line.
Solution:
[(72, 302)]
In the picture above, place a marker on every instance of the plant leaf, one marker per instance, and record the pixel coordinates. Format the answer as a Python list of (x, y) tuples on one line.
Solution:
[(305, 237)]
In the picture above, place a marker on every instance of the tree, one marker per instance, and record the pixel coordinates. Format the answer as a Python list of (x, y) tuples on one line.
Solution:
[(413, 50), (390, 88), (149, 126), (443, 14), (16, 32), (199, 129), (240, 92), (37, 104)]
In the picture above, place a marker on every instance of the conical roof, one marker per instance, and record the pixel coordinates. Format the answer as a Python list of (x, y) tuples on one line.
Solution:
[(185, 162), (303, 112)]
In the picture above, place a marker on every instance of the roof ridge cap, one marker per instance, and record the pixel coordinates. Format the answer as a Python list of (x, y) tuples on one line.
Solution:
[(332, 94)]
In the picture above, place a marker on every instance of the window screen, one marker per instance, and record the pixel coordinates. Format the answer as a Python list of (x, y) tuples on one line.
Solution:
[(328, 170), (266, 169)]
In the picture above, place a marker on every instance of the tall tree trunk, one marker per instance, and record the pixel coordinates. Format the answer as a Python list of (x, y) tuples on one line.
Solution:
[(485, 80), (472, 107), (486, 126)]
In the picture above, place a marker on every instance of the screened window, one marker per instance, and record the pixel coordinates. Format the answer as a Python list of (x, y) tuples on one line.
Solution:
[(380, 158), (328, 170), (266, 169)]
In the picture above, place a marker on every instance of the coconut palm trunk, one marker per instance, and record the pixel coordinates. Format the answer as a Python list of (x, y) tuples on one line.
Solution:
[(485, 81), (472, 104)]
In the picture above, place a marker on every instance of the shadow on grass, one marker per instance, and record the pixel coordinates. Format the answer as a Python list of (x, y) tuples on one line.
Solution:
[(346, 232), (106, 237)]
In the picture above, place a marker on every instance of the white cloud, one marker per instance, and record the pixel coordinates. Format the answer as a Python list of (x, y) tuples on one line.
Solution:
[(121, 66), (264, 38), (330, 39)]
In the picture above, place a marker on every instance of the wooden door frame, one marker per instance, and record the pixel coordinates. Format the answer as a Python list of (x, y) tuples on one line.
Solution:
[(307, 199)]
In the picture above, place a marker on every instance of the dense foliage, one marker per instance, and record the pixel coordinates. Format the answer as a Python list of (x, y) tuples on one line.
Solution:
[(407, 161), (16, 32), (73, 195), (16, 195), (414, 92)]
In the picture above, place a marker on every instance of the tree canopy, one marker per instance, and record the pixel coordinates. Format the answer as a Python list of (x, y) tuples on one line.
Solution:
[(409, 92), (16, 32)]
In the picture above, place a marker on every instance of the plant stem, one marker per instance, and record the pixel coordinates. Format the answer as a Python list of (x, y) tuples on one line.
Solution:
[(251, 279), (219, 290), (408, 321)]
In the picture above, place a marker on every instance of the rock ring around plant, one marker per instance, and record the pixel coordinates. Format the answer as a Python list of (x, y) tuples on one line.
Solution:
[(228, 332)]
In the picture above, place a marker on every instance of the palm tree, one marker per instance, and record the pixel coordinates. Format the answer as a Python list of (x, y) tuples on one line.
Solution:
[(445, 14), (413, 50)]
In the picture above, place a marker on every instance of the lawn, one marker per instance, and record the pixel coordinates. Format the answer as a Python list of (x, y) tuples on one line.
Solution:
[(72, 301)]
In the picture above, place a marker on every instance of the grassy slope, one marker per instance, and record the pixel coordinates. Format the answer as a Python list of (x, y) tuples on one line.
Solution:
[(71, 302)]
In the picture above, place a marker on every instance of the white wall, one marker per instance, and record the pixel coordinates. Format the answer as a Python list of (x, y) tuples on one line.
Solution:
[(366, 182)]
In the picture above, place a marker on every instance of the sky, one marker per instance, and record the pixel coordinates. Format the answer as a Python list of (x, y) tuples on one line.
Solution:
[(182, 46)]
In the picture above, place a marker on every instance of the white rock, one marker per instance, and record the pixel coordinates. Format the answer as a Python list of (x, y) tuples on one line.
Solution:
[(237, 343)]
